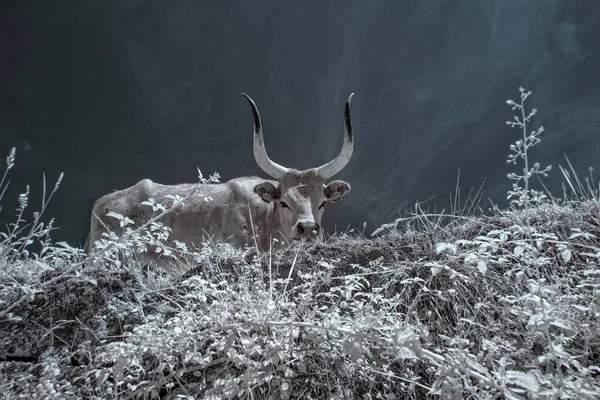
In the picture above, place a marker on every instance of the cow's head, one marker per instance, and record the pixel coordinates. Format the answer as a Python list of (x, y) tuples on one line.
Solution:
[(299, 197)]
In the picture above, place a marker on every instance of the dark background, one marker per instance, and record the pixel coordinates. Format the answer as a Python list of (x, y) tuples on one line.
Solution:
[(111, 92)]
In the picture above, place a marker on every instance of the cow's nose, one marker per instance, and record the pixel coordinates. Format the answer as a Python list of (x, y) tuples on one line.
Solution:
[(308, 229)]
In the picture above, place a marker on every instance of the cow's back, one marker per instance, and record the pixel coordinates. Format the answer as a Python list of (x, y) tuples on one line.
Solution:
[(218, 212), (225, 213)]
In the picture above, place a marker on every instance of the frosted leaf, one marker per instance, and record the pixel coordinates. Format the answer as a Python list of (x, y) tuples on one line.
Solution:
[(482, 267), (441, 247), (518, 251), (523, 379)]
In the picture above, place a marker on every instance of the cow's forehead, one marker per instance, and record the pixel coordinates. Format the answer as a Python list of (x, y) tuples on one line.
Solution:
[(307, 180)]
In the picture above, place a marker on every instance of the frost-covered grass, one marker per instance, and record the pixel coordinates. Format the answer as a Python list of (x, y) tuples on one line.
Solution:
[(458, 305)]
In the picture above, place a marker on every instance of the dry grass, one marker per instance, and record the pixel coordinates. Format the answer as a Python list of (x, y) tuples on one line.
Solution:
[(440, 310)]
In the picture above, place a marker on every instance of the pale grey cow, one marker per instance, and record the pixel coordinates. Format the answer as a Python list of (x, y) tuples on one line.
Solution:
[(288, 208)]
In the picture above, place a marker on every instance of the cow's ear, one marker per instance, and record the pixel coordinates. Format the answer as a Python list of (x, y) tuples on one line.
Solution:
[(336, 190), (267, 192)]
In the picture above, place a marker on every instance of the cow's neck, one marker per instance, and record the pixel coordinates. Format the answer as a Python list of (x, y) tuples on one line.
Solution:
[(266, 219)]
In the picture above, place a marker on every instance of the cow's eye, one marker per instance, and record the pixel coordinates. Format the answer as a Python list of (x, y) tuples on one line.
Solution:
[(322, 205), (283, 205)]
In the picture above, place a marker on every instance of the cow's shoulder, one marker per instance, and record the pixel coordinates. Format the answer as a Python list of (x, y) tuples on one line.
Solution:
[(243, 187)]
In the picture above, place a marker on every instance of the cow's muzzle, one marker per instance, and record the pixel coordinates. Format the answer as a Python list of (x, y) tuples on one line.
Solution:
[(307, 230)]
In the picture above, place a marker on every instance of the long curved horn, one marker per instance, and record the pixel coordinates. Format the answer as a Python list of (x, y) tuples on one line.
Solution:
[(260, 153), (333, 167)]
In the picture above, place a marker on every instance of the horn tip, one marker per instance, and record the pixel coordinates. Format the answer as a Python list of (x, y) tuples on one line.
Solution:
[(248, 98), (350, 97)]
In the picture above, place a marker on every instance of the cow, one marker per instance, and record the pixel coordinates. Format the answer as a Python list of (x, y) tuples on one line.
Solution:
[(246, 211)]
